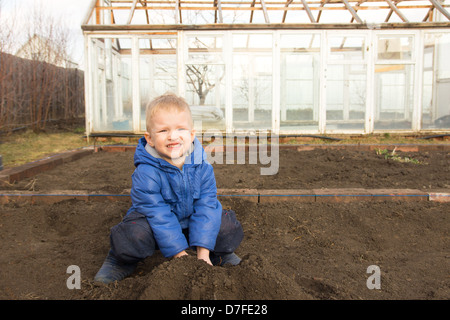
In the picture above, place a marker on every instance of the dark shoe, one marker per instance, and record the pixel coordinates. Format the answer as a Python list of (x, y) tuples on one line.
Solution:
[(113, 270), (220, 260)]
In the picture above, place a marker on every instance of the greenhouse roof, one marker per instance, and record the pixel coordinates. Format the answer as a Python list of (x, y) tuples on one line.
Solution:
[(204, 14)]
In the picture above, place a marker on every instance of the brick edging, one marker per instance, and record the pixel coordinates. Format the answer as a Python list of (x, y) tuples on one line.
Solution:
[(253, 195), (30, 169), (305, 147)]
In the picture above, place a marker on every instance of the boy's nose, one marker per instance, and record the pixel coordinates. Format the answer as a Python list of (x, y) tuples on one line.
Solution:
[(174, 134)]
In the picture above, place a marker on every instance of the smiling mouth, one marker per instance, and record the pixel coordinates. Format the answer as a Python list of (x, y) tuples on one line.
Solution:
[(174, 145)]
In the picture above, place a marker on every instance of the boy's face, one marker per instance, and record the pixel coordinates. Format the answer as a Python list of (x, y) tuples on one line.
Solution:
[(171, 135)]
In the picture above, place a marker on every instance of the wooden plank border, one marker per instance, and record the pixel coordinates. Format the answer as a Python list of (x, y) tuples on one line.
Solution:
[(252, 195)]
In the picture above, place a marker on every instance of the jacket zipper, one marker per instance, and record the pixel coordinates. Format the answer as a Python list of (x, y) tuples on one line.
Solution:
[(185, 193)]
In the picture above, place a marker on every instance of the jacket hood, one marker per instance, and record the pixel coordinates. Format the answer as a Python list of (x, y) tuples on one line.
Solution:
[(145, 154)]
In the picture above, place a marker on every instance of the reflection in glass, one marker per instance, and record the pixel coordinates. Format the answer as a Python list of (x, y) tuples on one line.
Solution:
[(157, 75), (347, 48), (393, 96), (157, 71), (300, 55), (205, 81), (252, 81), (395, 47), (346, 96), (436, 82), (111, 88)]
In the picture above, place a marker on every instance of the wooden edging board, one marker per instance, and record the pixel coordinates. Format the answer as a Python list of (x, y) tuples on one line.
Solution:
[(253, 195)]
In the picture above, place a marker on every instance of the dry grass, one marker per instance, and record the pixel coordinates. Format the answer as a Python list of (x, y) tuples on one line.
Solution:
[(369, 139), (28, 146), (19, 148)]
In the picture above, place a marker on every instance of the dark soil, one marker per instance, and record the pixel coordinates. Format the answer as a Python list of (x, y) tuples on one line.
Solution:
[(110, 172), (291, 250)]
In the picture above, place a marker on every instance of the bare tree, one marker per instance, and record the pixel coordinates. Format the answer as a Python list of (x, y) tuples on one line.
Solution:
[(36, 87), (7, 36), (199, 76), (204, 74), (47, 43)]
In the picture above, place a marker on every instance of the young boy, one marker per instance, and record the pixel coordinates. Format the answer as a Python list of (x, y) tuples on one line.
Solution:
[(174, 198)]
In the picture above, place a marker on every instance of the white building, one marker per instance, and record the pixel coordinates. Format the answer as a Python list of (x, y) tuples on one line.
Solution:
[(43, 49), (288, 66)]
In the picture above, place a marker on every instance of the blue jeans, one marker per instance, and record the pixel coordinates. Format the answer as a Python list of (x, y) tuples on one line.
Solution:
[(132, 239)]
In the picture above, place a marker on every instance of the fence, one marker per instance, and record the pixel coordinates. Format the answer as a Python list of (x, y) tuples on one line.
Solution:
[(33, 92)]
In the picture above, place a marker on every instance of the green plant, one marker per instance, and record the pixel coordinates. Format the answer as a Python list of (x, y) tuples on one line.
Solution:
[(393, 156), (79, 130)]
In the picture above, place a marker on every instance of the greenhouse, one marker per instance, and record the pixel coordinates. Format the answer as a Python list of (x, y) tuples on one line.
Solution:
[(289, 67)]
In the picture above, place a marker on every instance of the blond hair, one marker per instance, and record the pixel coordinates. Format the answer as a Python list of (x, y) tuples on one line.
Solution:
[(166, 102)]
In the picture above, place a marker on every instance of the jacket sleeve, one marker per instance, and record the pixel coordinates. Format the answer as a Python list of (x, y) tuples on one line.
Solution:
[(147, 200), (204, 223)]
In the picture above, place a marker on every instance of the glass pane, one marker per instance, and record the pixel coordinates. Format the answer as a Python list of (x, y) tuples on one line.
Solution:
[(202, 44), (205, 81), (346, 97), (300, 91), (347, 48), (205, 93), (123, 43), (157, 71), (111, 88), (300, 42), (252, 41), (157, 43), (395, 47), (252, 81), (241, 70), (393, 96), (124, 94), (436, 82), (157, 75), (300, 56)]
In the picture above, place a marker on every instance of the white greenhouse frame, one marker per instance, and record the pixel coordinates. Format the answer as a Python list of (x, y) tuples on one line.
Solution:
[(103, 32)]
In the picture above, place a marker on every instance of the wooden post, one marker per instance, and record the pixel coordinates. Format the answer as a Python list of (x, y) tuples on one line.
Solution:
[(440, 8), (398, 12), (130, 16)]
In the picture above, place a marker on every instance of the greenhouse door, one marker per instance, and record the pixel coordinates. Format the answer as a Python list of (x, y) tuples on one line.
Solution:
[(396, 98), (346, 85)]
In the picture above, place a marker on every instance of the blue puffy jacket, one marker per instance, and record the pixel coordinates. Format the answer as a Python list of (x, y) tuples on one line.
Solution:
[(174, 199)]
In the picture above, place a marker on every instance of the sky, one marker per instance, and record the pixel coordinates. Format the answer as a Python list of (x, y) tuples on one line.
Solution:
[(71, 13)]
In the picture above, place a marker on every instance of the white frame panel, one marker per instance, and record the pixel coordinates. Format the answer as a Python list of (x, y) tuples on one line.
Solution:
[(370, 61), (321, 89), (231, 128), (416, 55), (420, 110), (329, 60)]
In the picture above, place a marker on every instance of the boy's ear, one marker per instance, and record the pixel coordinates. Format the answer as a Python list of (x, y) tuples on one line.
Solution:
[(193, 135), (148, 138)]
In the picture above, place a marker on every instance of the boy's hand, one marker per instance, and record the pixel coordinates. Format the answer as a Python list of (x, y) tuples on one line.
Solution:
[(180, 254), (203, 254)]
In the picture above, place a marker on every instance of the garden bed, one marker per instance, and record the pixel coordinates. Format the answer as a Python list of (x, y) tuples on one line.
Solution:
[(290, 251), (293, 249), (307, 169)]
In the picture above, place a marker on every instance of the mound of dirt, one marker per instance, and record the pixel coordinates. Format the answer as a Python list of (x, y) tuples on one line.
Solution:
[(190, 279)]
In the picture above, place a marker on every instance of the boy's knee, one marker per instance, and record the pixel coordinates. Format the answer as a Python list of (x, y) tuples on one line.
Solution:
[(132, 239), (230, 233)]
